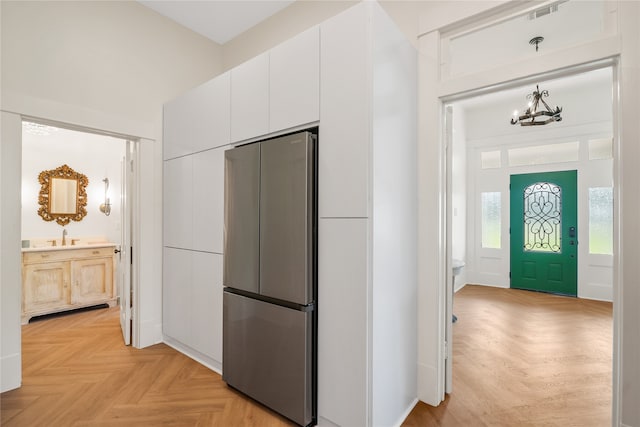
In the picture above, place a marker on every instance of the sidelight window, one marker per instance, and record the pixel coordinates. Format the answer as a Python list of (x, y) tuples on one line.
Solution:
[(601, 220), (491, 220)]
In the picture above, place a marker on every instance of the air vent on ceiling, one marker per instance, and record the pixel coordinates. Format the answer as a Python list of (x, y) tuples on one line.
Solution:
[(544, 11)]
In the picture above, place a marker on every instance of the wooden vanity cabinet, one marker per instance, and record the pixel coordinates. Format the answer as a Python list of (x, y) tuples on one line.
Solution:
[(59, 280)]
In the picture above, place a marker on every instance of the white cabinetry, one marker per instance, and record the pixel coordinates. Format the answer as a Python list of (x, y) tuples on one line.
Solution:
[(192, 303), (193, 219), (198, 120), (294, 81), (278, 89), (367, 203), (250, 98), (355, 75), (176, 294), (178, 202), (208, 200), (345, 94)]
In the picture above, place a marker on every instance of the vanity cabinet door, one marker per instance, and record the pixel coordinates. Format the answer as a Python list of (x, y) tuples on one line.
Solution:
[(45, 286), (92, 280)]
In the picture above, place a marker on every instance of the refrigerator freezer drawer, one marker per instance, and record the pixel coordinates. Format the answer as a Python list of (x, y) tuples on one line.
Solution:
[(267, 354)]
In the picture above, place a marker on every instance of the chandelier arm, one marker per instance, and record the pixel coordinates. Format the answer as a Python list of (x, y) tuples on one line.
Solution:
[(547, 106)]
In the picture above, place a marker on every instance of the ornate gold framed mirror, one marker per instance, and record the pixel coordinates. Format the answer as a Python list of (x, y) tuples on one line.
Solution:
[(63, 195)]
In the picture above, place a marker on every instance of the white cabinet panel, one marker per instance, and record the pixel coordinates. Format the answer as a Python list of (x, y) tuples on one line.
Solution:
[(206, 305), (176, 294), (208, 200), (342, 320), (199, 119), (178, 202), (250, 98), (294, 81), (344, 115)]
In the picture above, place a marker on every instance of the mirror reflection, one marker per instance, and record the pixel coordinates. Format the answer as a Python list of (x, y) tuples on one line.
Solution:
[(63, 196)]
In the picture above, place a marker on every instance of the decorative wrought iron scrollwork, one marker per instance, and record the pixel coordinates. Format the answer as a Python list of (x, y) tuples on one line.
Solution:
[(542, 217)]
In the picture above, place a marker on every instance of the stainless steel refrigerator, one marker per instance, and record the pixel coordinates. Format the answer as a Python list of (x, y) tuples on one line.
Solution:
[(270, 274)]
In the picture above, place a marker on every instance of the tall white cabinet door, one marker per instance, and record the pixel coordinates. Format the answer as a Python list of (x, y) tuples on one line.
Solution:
[(294, 81), (177, 294), (199, 119), (178, 202), (344, 115), (250, 98), (206, 305), (208, 200), (342, 320)]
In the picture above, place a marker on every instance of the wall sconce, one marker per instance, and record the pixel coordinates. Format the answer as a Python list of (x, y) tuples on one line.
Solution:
[(105, 207)]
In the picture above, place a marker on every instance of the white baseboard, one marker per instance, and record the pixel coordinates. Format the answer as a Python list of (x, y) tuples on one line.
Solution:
[(323, 422), (406, 413), (428, 385), (596, 291), (10, 372), (203, 359), (150, 334)]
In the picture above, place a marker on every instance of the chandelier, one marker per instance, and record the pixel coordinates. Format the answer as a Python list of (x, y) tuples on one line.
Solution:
[(534, 117)]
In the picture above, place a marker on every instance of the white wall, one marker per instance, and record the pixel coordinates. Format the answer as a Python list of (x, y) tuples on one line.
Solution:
[(95, 156), (116, 58), (102, 65), (10, 277)]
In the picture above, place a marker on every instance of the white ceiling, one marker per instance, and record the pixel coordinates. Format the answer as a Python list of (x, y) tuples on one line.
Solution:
[(217, 20)]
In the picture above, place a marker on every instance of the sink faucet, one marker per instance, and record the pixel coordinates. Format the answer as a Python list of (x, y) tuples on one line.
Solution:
[(64, 237)]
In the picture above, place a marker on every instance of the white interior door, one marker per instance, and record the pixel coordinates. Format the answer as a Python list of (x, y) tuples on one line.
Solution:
[(124, 256), (448, 348)]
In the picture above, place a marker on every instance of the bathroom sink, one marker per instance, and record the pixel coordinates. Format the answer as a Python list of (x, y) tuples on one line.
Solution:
[(79, 245)]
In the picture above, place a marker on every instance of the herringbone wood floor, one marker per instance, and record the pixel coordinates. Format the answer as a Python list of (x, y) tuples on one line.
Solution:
[(77, 372), (526, 359), (520, 359)]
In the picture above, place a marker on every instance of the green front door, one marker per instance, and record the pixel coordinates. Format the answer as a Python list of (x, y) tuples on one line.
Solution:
[(544, 244)]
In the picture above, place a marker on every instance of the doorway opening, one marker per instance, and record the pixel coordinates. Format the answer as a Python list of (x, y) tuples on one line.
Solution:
[(484, 152), (82, 259)]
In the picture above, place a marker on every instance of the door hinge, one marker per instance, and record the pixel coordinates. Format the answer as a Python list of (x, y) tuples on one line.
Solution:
[(131, 252), (509, 275), (446, 350)]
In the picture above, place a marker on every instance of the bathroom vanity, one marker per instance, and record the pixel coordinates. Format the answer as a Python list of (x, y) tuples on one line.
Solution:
[(60, 278)]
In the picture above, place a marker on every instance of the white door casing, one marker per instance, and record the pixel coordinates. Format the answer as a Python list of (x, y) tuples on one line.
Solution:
[(124, 256)]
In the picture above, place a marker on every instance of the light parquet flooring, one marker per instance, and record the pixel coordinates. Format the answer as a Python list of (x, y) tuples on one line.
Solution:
[(520, 359), (526, 359), (77, 372)]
